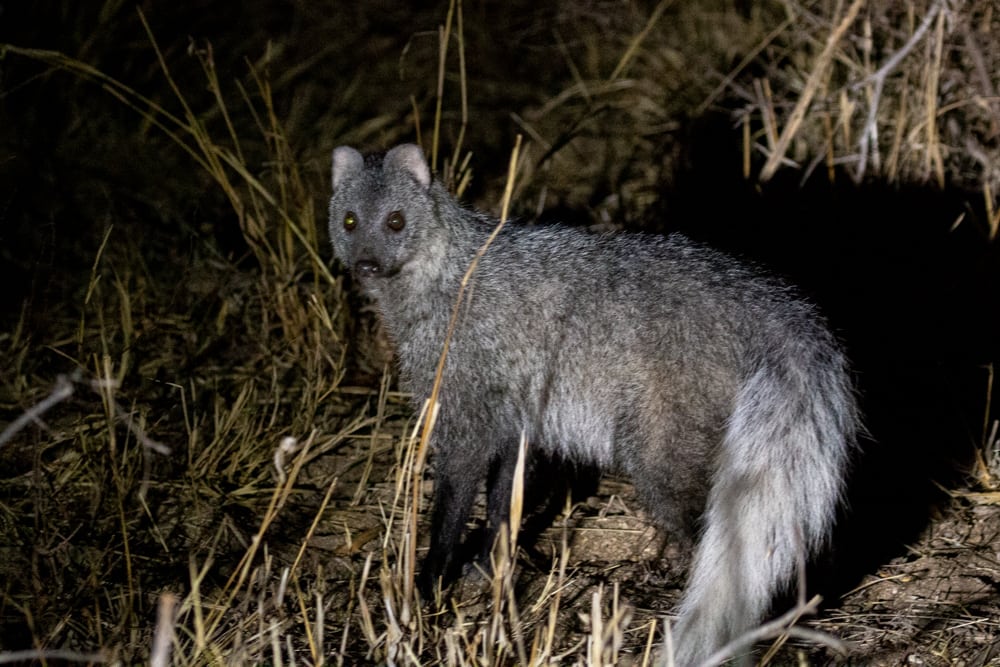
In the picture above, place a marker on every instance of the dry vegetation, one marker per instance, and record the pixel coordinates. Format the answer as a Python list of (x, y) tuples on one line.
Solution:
[(205, 459)]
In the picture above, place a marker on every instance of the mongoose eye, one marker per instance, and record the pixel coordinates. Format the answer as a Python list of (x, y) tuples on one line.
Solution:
[(395, 221), (350, 221)]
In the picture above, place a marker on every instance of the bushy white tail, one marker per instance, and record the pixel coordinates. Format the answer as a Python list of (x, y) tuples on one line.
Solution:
[(773, 498)]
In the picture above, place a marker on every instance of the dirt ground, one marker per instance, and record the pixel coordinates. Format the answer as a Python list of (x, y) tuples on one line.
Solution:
[(198, 406)]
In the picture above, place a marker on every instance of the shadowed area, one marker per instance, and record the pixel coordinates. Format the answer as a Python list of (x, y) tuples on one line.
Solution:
[(164, 178)]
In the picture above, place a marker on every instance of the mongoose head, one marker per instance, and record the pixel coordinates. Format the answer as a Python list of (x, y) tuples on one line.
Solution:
[(381, 211)]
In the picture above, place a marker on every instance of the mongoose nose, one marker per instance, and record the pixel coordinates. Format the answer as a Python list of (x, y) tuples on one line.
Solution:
[(367, 267)]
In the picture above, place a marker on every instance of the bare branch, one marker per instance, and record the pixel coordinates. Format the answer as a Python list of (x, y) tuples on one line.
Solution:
[(62, 391), (163, 638), (898, 56), (783, 625), (869, 135), (41, 655)]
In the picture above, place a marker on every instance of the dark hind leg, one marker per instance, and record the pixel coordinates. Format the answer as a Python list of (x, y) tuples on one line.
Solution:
[(669, 462), (548, 481), (499, 486)]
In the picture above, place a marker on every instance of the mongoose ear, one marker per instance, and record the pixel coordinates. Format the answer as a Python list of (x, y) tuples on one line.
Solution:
[(346, 161), (410, 158)]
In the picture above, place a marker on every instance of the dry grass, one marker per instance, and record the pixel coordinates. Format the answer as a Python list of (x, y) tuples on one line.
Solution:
[(901, 92), (205, 461)]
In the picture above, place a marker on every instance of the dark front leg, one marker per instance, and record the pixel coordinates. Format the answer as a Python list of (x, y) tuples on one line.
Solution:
[(455, 492)]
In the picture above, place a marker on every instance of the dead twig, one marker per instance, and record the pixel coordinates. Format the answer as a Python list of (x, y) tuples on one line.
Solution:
[(41, 655), (783, 625), (163, 638), (868, 141), (62, 391)]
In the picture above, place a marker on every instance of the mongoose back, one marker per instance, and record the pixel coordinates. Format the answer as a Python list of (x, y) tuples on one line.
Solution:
[(713, 387)]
